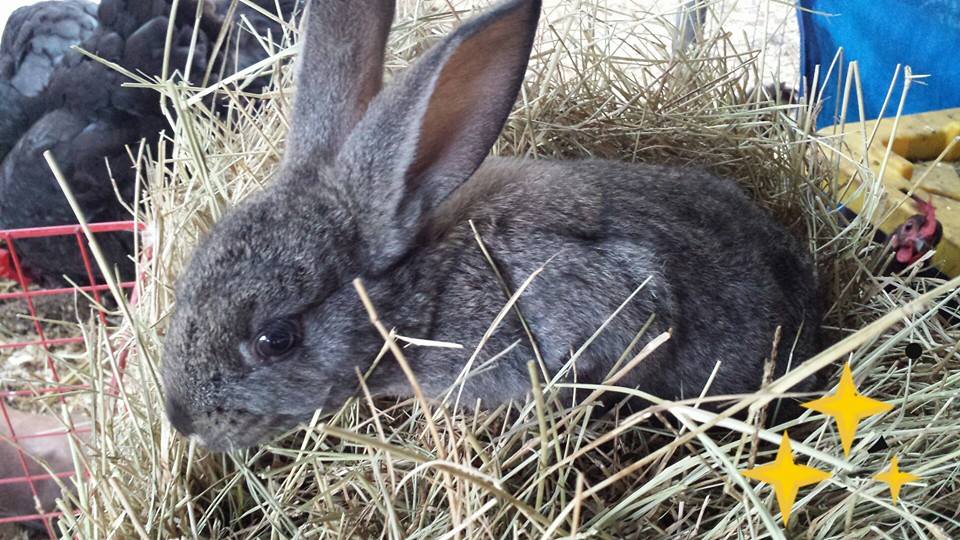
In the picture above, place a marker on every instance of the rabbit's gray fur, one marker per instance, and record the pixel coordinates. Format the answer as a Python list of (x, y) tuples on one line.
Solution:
[(384, 188)]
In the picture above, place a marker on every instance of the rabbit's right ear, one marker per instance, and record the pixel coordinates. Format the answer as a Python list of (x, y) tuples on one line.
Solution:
[(339, 71), (428, 132)]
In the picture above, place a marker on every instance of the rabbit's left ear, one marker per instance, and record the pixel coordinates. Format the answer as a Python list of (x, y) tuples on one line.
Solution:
[(429, 132)]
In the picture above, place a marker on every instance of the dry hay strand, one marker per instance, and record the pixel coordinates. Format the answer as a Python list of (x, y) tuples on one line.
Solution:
[(602, 82)]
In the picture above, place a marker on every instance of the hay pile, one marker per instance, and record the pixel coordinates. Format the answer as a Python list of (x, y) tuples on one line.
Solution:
[(601, 83)]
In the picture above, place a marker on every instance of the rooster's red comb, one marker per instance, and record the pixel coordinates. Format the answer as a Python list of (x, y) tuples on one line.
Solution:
[(6, 265), (7, 268), (930, 216)]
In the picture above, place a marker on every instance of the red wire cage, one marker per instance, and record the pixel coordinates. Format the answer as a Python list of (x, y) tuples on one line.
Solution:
[(31, 478)]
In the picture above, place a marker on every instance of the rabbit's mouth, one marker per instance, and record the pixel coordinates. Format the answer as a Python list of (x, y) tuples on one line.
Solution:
[(226, 430), (227, 426), (231, 435)]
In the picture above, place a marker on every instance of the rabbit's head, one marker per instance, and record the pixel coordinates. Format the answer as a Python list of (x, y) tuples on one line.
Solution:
[(268, 327)]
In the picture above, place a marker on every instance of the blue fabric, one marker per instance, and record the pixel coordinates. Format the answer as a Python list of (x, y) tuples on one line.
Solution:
[(879, 34)]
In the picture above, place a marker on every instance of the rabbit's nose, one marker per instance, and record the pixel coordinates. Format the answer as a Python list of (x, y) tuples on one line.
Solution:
[(179, 417)]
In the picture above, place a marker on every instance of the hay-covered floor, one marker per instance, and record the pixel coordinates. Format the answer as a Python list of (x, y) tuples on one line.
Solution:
[(601, 83)]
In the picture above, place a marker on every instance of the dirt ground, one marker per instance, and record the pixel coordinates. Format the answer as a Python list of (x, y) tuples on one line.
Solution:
[(26, 367)]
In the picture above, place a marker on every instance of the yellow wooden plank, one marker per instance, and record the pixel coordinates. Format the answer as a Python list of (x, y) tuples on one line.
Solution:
[(922, 137), (941, 179)]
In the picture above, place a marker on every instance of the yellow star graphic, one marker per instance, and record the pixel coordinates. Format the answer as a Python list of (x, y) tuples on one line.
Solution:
[(848, 407), (786, 477), (895, 478)]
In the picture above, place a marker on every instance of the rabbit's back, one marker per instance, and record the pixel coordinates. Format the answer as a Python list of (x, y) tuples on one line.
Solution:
[(714, 268)]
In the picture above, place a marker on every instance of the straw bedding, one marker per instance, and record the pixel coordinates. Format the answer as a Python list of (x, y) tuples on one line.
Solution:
[(601, 83)]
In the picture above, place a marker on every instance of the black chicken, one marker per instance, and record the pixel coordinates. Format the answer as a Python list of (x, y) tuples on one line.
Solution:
[(36, 37), (34, 41), (77, 108), (86, 118)]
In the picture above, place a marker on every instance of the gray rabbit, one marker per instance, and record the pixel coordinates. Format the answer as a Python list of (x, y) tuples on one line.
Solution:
[(383, 185)]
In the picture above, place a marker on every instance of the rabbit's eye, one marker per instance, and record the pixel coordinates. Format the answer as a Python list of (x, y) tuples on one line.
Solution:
[(277, 338)]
